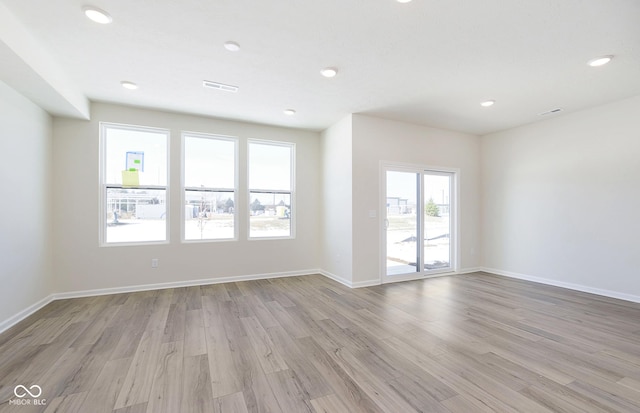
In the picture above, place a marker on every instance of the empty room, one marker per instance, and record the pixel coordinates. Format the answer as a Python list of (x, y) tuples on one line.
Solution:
[(319, 206)]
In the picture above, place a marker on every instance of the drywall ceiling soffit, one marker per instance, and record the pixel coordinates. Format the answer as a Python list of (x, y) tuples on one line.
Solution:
[(428, 62), (30, 69)]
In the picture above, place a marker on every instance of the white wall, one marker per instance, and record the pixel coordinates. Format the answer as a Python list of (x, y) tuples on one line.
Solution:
[(25, 217), (336, 205), (557, 202), (81, 264), (376, 140), (561, 200)]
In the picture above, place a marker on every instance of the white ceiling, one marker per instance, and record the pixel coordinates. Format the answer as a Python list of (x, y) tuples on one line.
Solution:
[(429, 62)]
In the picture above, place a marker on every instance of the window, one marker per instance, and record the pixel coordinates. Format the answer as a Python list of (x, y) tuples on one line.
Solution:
[(271, 212), (209, 187), (133, 174)]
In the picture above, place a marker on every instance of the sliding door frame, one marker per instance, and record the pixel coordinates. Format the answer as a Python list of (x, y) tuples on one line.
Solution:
[(454, 237)]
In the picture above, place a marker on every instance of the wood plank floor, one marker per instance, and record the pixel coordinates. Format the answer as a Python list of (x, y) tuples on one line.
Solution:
[(469, 343)]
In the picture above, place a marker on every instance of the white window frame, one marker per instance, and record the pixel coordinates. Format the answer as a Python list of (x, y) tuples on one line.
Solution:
[(103, 186), (200, 135), (291, 193)]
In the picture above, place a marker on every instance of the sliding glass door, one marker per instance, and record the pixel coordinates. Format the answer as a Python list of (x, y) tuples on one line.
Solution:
[(418, 222), (402, 223), (437, 229)]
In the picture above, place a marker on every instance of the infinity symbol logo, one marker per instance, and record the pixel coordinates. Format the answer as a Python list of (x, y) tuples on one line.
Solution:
[(26, 391)]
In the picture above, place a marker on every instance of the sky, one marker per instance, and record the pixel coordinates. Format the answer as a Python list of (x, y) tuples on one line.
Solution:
[(209, 163), (404, 185)]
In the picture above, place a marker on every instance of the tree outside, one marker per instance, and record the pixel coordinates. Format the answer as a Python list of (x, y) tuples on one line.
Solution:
[(431, 209)]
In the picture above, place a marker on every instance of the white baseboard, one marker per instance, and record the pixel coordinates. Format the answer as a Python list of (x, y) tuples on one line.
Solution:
[(8, 323), (337, 278), (11, 321), (570, 286), (374, 282), (349, 283), (178, 284), (366, 283), (469, 270)]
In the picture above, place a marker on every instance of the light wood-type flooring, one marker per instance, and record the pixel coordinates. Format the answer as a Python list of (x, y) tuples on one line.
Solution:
[(469, 343)]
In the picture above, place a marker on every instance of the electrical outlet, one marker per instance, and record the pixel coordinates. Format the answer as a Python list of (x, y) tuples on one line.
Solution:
[(154, 263)]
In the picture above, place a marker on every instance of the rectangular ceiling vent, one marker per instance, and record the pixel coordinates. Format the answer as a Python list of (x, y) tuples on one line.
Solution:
[(549, 112), (219, 86)]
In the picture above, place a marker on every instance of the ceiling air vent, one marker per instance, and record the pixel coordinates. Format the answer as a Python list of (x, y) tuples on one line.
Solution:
[(219, 86), (549, 112)]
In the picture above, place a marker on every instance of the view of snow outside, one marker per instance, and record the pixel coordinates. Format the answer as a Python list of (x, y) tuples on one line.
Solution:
[(270, 169), (135, 215), (402, 230), (209, 164), (139, 214), (270, 215)]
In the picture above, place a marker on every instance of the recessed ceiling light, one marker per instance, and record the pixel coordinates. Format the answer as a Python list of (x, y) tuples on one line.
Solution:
[(128, 85), (487, 103), (329, 72), (232, 46), (403, 1), (600, 61), (97, 15), (289, 112)]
